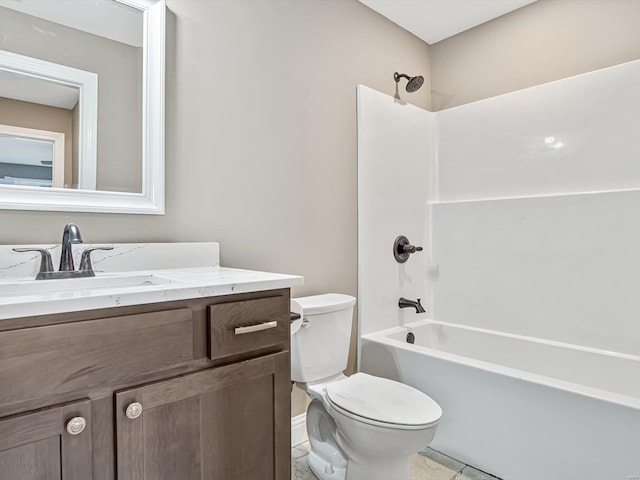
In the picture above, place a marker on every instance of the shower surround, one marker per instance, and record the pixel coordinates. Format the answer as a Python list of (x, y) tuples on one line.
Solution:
[(526, 205)]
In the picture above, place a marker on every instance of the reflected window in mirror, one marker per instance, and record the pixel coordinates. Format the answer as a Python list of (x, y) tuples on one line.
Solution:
[(32, 157)]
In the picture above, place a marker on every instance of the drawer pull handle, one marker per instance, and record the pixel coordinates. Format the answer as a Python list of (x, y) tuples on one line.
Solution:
[(76, 425), (133, 411), (256, 328)]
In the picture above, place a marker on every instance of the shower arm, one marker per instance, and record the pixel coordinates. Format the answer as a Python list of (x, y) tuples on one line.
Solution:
[(397, 76)]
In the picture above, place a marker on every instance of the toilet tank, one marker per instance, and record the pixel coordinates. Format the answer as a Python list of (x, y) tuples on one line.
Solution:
[(320, 348)]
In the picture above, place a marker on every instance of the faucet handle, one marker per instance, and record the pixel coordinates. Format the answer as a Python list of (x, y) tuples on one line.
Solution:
[(85, 260), (46, 265)]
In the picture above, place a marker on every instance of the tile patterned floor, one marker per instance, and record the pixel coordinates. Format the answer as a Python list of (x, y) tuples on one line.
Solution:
[(426, 465)]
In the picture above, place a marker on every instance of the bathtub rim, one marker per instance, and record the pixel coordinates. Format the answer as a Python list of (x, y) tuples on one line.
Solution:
[(382, 336)]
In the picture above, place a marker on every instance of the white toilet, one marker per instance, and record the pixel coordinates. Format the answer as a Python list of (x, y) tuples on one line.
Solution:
[(360, 427)]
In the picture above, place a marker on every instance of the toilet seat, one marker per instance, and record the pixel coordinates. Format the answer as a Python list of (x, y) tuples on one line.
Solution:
[(383, 402)]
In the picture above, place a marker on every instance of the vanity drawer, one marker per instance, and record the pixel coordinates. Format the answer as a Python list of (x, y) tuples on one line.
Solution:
[(81, 356), (243, 326)]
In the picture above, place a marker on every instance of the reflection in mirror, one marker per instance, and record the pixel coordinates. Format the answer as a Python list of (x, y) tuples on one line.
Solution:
[(72, 68), (31, 157), (52, 101), (84, 81)]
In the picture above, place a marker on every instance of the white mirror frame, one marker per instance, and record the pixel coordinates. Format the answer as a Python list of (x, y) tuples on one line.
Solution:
[(151, 199)]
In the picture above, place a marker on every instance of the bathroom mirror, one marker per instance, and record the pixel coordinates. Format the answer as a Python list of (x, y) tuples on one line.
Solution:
[(82, 105)]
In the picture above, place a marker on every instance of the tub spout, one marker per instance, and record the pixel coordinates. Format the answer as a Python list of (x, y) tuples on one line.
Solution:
[(404, 303)]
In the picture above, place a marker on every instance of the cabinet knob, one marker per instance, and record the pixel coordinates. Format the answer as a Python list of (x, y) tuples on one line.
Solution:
[(133, 411), (76, 425)]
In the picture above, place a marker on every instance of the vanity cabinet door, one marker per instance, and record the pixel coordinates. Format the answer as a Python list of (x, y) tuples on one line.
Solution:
[(226, 423), (51, 444)]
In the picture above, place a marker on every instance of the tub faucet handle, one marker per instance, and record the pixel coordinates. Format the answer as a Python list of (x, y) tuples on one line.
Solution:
[(411, 249), (402, 248)]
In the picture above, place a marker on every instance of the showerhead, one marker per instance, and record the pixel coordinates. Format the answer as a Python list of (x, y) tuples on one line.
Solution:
[(413, 84)]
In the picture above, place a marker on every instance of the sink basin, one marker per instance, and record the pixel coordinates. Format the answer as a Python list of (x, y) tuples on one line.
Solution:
[(44, 287)]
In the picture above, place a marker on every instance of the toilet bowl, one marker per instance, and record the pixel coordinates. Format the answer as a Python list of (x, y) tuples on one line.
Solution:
[(360, 427)]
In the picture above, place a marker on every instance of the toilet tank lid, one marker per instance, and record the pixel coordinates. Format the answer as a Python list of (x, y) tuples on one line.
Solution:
[(326, 303)]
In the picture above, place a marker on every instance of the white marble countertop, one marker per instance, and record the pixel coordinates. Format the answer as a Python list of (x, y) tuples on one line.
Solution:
[(25, 298)]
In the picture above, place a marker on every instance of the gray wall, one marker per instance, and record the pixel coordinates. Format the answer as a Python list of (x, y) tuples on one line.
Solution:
[(261, 136), (261, 125), (261, 120), (544, 41)]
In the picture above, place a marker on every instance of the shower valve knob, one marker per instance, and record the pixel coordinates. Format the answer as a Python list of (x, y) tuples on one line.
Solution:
[(411, 249), (402, 248)]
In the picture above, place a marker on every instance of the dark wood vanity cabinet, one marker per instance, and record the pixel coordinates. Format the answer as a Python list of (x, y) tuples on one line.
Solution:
[(49, 444), (187, 390), (219, 423)]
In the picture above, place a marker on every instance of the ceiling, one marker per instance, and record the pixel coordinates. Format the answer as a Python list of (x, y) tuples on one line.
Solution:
[(104, 18), (435, 20), (25, 88)]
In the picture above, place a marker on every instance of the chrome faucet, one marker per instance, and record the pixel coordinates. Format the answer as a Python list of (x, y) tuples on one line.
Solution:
[(70, 236), (404, 303)]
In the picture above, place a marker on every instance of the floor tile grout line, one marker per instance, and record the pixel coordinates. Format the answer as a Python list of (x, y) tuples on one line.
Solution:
[(466, 465), (477, 470), (457, 475), (449, 457)]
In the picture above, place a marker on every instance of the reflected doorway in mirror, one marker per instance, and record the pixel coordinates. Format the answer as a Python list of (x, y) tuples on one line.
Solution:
[(27, 82), (31, 157)]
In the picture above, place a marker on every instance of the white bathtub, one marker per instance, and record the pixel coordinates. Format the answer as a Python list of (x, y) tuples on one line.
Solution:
[(517, 407)]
